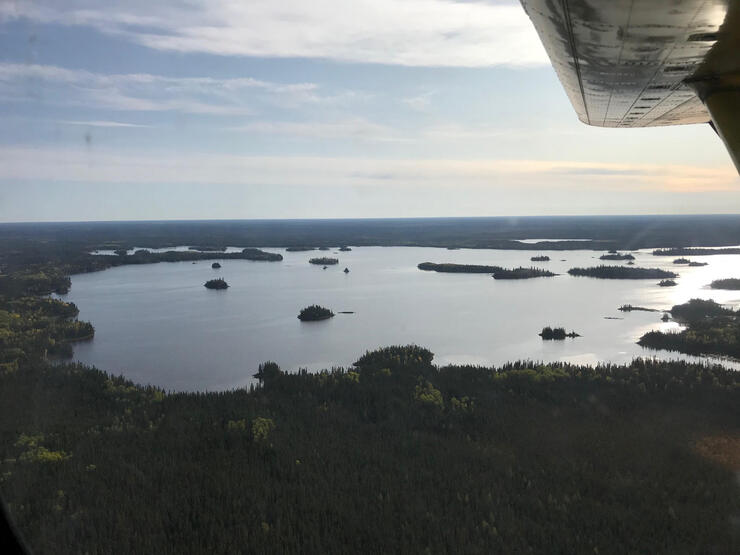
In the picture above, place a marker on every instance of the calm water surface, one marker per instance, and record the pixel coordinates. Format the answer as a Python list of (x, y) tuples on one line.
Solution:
[(157, 324)]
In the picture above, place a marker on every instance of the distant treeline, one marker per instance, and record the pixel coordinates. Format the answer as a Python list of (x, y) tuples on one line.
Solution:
[(688, 251), (606, 232), (622, 272)]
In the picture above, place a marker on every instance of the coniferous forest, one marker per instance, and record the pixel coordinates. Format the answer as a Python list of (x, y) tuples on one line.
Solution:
[(394, 454)]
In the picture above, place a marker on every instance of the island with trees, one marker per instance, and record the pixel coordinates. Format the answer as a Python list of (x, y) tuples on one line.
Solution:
[(345, 248), (682, 261), (299, 249), (667, 283), (548, 333), (540, 258), (215, 265), (314, 312), (521, 273), (630, 308), (711, 330), (218, 283), (622, 272), (694, 264), (324, 261), (616, 256), (447, 267), (726, 283)]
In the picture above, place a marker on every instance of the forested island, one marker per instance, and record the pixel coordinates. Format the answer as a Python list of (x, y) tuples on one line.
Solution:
[(324, 261), (314, 312), (630, 308), (541, 258), (521, 273), (143, 256), (219, 283), (616, 256), (727, 283), (681, 261), (622, 272), (215, 265), (711, 330), (693, 264), (548, 333), (667, 283), (344, 249), (448, 267), (299, 249)]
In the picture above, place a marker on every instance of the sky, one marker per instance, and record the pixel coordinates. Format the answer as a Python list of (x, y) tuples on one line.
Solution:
[(229, 109)]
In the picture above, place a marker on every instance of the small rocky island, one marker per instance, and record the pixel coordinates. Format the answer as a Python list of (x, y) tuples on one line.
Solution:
[(215, 265), (549, 333), (630, 308), (219, 283), (324, 261), (344, 249), (622, 272), (346, 270), (314, 312), (543, 258), (667, 283), (682, 261)]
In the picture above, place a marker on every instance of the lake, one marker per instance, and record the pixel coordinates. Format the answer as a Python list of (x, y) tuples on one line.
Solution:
[(157, 324)]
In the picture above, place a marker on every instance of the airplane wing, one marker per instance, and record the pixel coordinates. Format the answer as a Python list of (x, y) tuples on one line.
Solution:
[(642, 63)]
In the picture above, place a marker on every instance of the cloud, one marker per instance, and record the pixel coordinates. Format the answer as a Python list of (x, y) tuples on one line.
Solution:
[(355, 128), (100, 123), (411, 33), (147, 92), (421, 102), (85, 165)]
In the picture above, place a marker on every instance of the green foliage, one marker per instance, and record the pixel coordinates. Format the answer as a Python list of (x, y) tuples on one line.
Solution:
[(426, 394), (262, 428)]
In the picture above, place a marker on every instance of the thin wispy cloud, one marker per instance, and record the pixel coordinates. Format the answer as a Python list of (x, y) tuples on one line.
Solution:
[(356, 128), (101, 123), (421, 102), (431, 33), (146, 92), (111, 167)]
